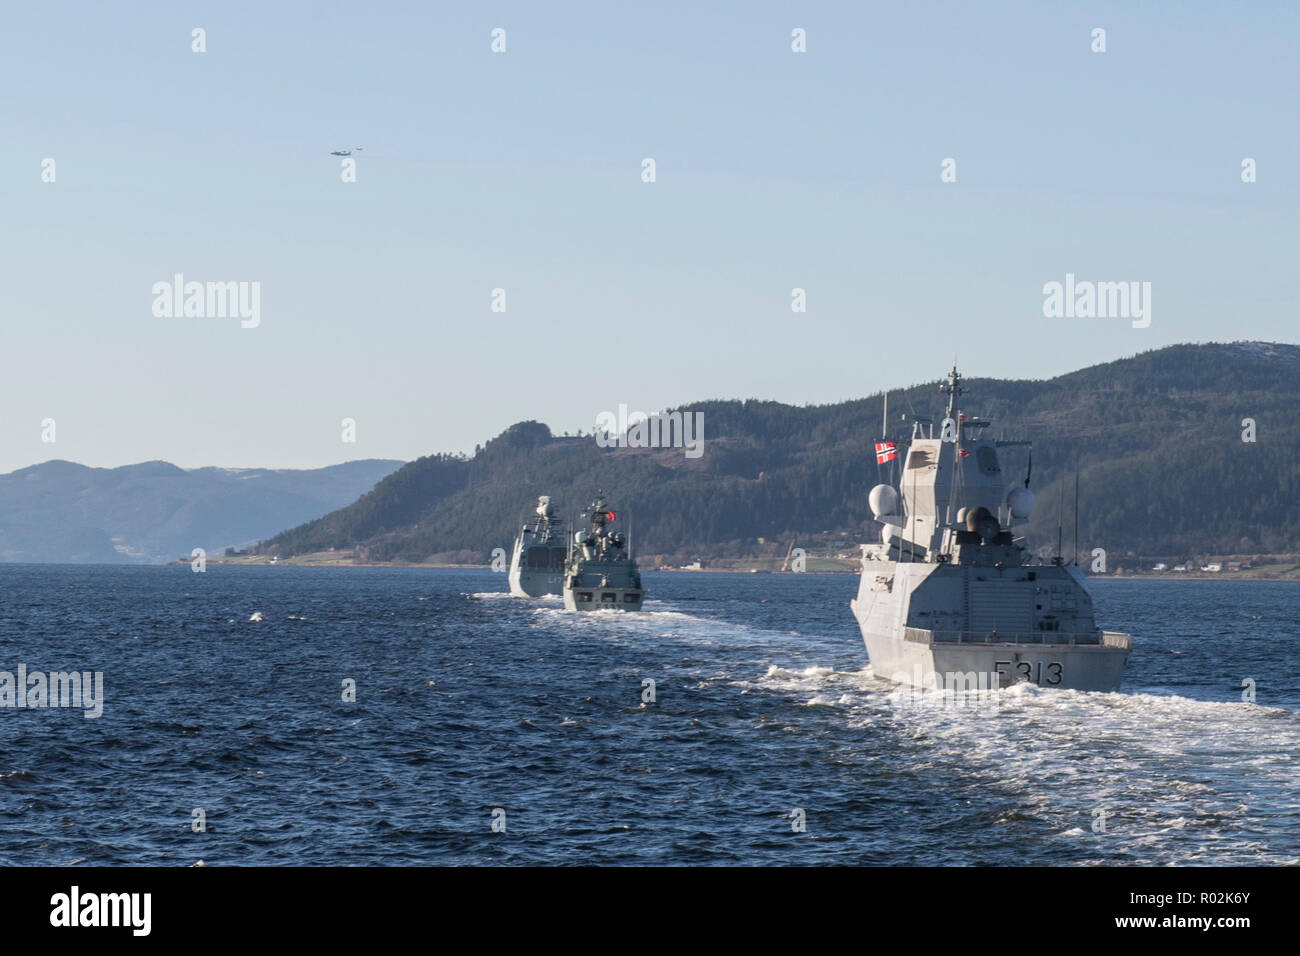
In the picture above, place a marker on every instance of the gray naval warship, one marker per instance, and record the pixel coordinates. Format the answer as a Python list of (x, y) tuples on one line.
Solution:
[(600, 573), (948, 598), (537, 562)]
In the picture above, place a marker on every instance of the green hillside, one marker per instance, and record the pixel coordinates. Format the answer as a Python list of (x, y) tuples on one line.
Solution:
[(1156, 440)]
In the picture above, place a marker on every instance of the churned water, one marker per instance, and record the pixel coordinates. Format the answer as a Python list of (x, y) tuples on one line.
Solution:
[(768, 741)]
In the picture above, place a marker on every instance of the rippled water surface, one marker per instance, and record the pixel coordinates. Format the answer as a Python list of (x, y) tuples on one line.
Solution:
[(470, 702)]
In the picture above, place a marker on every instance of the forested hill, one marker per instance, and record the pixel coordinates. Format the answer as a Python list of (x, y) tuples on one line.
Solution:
[(1156, 440)]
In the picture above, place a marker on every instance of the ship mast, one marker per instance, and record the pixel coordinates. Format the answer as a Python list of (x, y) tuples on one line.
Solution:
[(954, 388)]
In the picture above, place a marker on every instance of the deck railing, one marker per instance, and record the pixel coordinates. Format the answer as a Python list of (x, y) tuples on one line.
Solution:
[(918, 635)]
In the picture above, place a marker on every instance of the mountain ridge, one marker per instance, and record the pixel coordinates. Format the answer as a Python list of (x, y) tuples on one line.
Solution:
[(147, 512), (1153, 436)]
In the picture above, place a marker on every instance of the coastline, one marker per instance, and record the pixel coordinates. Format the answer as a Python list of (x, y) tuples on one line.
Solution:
[(344, 560)]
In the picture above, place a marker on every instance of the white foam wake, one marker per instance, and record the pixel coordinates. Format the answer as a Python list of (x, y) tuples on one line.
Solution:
[(1172, 779)]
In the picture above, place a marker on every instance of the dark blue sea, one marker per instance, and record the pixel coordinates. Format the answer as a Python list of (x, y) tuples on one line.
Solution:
[(472, 707)]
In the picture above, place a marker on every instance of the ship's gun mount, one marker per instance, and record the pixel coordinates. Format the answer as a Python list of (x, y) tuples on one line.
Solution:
[(980, 521)]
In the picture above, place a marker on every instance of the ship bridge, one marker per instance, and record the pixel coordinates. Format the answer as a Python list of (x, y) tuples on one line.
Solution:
[(953, 492)]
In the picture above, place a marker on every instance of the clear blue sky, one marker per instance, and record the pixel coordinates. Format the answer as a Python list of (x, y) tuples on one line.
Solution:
[(775, 170)]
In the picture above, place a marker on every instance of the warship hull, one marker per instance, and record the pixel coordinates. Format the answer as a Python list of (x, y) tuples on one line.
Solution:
[(932, 624), (919, 660), (527, 583), (602, 599)]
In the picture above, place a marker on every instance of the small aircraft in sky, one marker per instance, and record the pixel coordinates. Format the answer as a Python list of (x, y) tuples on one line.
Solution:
[(345, 152)]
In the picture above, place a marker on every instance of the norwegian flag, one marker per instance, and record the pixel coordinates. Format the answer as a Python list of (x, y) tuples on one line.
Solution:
[(885, 451)]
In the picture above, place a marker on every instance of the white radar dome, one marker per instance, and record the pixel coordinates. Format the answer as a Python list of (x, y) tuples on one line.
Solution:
[(1021, 502), (883, 500)]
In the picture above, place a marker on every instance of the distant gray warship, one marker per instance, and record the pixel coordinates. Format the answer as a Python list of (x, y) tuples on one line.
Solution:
[(537, 563), (600, 573), (947, 599)]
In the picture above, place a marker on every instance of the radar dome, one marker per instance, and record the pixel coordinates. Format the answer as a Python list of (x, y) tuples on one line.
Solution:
[(883, 500), (1021, 502)]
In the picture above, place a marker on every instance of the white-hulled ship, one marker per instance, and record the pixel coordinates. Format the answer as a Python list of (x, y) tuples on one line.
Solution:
[(537, 563), (947, 599), (601, 573)]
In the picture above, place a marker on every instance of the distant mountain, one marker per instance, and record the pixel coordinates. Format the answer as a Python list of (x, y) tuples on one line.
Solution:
[(1156, 439), (152, 512)]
